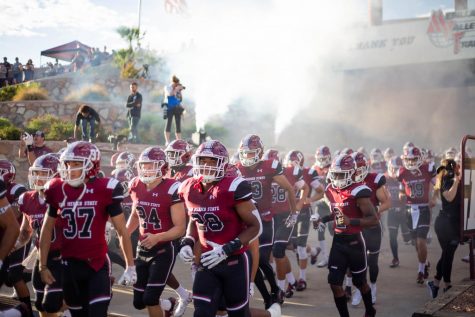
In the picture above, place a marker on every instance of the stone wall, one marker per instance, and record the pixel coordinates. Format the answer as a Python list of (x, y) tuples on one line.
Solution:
[(21, 112)]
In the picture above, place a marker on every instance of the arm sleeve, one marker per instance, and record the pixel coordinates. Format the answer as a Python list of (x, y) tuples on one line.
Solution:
[(175, 196), (52, 212), (18, 191), (278, 169), (243, 191), (381, 180), (118, 193), (139, 99), (362, 192), (114, 209)]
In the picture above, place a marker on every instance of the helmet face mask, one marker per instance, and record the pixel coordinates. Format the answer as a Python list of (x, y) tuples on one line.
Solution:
[(210, 162), (178, 153), (361, 166), (294, 158), (250, 150), (74, 171), (412, 158), (341, 171), (174, 157), (150, 171), (323, 157), (44, 169), (249, 157)]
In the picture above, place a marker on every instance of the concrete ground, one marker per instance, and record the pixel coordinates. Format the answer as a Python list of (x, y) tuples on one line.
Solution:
[(398, 294)]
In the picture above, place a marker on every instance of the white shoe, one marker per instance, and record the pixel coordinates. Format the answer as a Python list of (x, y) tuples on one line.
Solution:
[(182, 304), (274, 310), (356, 299), (373, 292), (323, 263)]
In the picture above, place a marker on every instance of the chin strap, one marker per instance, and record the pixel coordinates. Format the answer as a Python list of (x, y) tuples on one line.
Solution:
[(63, 203)]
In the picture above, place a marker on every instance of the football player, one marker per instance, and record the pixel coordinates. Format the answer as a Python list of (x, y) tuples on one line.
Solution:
[(323, 160), (352, 210), (260, 174), (378, 164), (13, 263), (49, 298), (388, 154), (83, 203), (178, 156), (280, 206), (159, 213), (396, 214), (380, 198), (223, 221), (416, 178)]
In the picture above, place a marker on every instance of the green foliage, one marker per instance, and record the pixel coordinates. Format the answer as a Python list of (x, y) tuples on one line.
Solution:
[(26, 91), (42, 123), (7, 93), (151, 128), (130, 35), (53, 127), (8, 131), (129, 71), (92, 93)]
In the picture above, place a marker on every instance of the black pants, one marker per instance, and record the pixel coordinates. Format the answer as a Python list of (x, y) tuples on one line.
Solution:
[(448, 236), (174, 112), (133, 126)]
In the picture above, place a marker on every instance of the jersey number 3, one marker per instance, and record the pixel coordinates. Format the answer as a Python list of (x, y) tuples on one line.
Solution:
[(79, 222)]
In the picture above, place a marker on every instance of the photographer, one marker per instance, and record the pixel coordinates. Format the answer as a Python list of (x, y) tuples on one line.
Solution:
[(33, 146), (447, 224), (172, 101), (84, 116)]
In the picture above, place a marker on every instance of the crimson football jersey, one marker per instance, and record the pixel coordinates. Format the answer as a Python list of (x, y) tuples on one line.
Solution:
[(311, 178), (379, 167), (213, 211), (83, 221), (393, 187), (344, 201), (180, 174), (260, 178), (280, 201), (153, 206), (374, 181), (34, 208), (417, 183)]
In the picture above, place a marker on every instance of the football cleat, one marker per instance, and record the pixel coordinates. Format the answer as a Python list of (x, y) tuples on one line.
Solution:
[(289, 292), (313, 258), (169, 312), (323, 263), (301, 285), (420, 278), (394, 263), (356, 299), (182, 304)]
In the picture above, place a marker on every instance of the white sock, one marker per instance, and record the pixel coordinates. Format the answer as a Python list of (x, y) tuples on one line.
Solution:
[(303, 274), (422, 267), (348, 281), (165, 304), (313, 251), (290, 278), (323, 246), (281, 284), (182, 292)]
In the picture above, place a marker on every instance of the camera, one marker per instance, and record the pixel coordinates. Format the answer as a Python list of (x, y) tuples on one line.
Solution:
[(450, 168)]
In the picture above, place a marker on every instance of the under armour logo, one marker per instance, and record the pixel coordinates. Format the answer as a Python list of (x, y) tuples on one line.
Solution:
[(259, 170), (155, 194), (90, 191)]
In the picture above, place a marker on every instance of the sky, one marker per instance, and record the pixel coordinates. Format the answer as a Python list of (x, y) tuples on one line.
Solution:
[(29, 26)]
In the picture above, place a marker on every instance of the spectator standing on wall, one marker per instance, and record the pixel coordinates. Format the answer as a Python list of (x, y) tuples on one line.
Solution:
[(134, 106), (173, 98), (17, 70), (84, 116), (33, 146), (29, 71)]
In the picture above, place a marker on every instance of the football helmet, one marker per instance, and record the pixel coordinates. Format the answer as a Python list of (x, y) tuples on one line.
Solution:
[(450, 153), (341, 171), (178, 152), (207, 173), (363, 151), (388, 154), (271, 154), (48, 164), (294, 158), (376, 156), (250, 150), (407, 145), (79, 151), (412, 158), (323, 156), (7, 171), (361, 166), (234, 159), (394, 164), (157, 156), (124, 176), (347, 151), (125, 160)]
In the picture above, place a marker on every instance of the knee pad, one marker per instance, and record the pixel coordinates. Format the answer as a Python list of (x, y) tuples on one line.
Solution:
[(151, 298), (359, 279), (278, 250), (302, 252), (53, 303)]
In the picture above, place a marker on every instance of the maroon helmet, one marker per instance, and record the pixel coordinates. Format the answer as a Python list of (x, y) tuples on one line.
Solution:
[(250, 150), (361, 166), (323, 156), (388, 154), (376, 156), (412, 158), (124, 176), (450, 153), (341, 171), (125, 160), (178, 152), (155, 155), (80, 151), (210, 173), (407, 145), (47, 165), (271, 154), (294, 157), (7, 171), (347, 151), (394, 164)]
